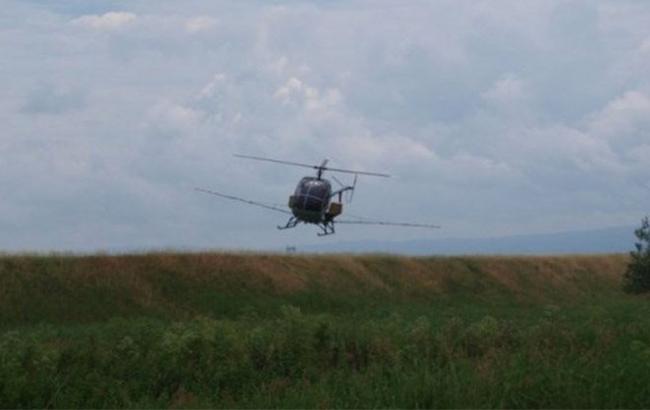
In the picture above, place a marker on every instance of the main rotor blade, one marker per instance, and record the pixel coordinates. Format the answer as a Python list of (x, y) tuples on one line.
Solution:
[(317, 167), (406, 224), (276, 161), (247, 201), (349, 171)]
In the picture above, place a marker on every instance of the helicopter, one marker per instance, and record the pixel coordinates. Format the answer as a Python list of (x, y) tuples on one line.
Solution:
[(314, 201)]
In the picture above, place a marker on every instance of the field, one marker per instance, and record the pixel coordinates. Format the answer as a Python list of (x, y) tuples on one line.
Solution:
[(247, 330)]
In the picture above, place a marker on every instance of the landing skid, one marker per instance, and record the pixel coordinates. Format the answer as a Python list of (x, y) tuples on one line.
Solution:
[(328, 229), (291, 223)]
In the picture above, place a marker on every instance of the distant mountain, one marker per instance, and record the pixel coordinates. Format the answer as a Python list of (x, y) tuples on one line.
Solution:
[(609, 240)]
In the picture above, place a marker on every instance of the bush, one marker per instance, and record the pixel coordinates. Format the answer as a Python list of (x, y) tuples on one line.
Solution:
[(637, 275)]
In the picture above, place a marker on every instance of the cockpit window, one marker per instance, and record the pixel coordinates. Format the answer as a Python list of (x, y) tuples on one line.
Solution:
[(312, 194)]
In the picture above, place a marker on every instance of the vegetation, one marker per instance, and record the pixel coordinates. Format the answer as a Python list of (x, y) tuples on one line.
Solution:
[(220, 330), (637, 275)]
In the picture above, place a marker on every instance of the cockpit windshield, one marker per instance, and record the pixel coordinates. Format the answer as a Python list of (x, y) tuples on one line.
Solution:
[(312, 194)]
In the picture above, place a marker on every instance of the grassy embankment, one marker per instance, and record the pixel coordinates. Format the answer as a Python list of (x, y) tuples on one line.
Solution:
[(224, 330)]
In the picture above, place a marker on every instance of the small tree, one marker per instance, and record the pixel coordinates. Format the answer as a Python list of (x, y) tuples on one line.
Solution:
[(637, 276)]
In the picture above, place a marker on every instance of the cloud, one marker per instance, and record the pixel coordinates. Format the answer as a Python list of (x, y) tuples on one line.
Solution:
[(641, 154), (644, 48), (107, 21), (626, 114), (201, 23), (535, 114), (172, 119), (291, 87), (51, 99), (311, 98), (508, 90)]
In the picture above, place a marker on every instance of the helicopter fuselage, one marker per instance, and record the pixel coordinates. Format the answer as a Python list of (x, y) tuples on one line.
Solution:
[(310, 202)]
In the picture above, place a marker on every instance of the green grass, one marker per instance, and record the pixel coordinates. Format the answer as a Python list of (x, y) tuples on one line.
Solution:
[(224, 331)]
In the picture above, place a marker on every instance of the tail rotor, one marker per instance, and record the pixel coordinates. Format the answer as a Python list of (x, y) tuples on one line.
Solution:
[(347, 190), (354, 187)]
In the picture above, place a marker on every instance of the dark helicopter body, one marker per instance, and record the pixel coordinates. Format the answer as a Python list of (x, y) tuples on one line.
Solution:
[(311, 202)]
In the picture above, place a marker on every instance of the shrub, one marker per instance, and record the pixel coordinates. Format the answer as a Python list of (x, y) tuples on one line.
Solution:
[(637, 275)]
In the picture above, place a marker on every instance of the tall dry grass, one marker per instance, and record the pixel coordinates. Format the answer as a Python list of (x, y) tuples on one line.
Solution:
[(94, 287)]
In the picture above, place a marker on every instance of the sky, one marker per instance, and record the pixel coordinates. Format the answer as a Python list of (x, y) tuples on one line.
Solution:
[(493, 117)]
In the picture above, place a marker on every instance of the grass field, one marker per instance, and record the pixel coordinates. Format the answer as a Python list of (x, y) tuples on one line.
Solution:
[(246, 330)]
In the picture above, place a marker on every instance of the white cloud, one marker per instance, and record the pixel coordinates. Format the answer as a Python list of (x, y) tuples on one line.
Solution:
[(279, 65), (319, 101), (201, 23), (291, 87), (376, 150), (108, 21), (311, 98), (173, 119), (507, 90), (211, 88), (517, 110), (561, 148), (624, 115)]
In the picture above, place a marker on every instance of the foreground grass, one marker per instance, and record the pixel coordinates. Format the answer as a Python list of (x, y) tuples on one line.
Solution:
[(244, 331)]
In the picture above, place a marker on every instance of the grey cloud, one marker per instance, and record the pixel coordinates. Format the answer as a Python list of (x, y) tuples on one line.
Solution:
[(50, 99), (513, 117)]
